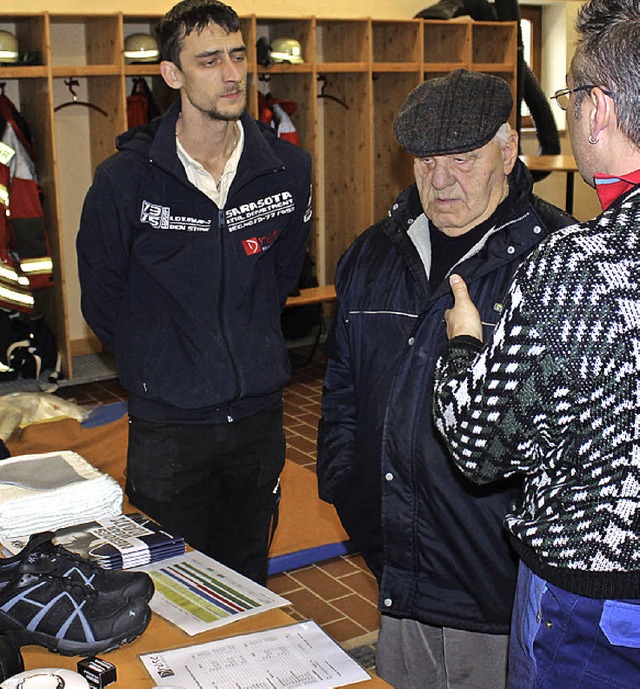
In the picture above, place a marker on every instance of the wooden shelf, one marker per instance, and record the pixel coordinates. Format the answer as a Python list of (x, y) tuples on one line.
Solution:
[(141, 69), (86, 71), (343, 66), (286, 68), (27, 72), (367, 68), (396, 67), (445, 67), (494, 68)]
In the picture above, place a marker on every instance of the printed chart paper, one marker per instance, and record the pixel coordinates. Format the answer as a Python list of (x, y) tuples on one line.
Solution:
[(299, 656), (197, 593)]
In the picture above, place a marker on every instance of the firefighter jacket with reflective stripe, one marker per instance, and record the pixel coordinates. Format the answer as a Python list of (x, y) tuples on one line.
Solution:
[(25, 260)]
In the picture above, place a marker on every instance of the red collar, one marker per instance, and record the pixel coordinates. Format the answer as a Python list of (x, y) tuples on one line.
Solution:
[(610, 188)]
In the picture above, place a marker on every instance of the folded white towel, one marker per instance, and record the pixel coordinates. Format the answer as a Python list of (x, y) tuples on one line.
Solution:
[(49, 491)]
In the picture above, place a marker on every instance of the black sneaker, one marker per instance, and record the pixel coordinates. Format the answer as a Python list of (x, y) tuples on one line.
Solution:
[(38, 606), (11, 661), (81, 571)]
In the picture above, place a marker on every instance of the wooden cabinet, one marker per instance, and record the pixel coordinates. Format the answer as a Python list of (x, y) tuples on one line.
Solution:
[(355, 75)]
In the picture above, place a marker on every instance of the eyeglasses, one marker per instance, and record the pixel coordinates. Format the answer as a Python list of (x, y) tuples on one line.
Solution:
[(562, 96)]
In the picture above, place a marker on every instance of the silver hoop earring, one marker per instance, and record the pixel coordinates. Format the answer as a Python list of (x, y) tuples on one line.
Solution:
[(592, 142)]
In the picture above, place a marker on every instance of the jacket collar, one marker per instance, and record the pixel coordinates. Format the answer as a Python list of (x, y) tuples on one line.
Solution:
[(407, 206), (492, 249), (157, 141), (610, 188)]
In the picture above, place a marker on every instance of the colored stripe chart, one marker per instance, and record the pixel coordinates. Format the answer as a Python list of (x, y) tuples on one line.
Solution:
[(198, 593)]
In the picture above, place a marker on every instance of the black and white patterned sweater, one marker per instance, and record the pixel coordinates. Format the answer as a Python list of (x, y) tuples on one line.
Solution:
[(555, 394)]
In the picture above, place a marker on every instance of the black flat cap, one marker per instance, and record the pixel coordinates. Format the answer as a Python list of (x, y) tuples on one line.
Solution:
[(453, 114)]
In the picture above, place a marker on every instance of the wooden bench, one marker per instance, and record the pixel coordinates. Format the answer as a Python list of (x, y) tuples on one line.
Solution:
[(313, 295), (309, 296)]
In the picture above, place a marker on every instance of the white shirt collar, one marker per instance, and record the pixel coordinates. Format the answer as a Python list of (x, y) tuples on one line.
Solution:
[(204, 180)]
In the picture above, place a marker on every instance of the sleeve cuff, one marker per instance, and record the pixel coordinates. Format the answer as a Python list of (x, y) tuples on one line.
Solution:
[(467, 342)]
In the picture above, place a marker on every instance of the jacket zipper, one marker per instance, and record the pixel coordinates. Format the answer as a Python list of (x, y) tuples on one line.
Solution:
[(222, 226)]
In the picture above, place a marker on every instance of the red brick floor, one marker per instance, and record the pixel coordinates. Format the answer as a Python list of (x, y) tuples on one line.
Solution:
[(339, 594)]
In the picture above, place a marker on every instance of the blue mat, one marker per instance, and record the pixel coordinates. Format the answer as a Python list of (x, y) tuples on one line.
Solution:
[(105, 413), (304, 558)]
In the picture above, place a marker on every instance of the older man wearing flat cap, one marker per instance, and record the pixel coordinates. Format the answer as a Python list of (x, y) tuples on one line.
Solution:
[(434, 540)]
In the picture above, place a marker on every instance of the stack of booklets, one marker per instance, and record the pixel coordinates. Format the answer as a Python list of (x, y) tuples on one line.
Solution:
[(121, 542)]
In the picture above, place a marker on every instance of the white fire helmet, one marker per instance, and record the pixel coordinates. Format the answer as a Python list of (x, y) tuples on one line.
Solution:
[(8, 47), (141, 47), (286, 50)]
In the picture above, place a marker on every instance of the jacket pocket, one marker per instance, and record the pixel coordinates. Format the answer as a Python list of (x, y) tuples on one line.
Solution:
[(620, 623)]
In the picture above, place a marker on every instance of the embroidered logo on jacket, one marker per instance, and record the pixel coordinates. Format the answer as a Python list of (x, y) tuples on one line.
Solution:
[(256, 212), (160, 218), (256, 245)]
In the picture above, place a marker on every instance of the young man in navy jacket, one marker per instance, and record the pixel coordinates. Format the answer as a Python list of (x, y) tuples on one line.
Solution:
[(192, 236)]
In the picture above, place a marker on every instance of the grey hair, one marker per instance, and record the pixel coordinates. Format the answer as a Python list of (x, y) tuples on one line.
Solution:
[(608, 55), (503, 134)]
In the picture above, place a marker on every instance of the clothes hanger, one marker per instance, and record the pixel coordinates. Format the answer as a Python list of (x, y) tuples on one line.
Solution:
[(329, 96), (71, 83)]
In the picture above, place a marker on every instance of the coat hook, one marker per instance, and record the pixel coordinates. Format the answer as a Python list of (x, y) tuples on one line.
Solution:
[(71, 83), (323, 79)]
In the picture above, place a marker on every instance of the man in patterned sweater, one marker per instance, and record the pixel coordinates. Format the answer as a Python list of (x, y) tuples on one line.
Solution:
[(555, 392)]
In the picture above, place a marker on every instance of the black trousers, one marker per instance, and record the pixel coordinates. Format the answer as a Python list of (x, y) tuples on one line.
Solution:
[(215, 484)]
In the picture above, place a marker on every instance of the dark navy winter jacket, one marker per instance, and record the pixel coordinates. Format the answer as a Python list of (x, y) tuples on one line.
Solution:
[(434, 540), (188, 295)]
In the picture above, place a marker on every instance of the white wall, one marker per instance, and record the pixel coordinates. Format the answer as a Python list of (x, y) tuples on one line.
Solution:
[(384, 9)]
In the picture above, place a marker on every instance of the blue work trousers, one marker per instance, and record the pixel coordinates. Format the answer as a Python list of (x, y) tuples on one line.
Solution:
[(560, 640)]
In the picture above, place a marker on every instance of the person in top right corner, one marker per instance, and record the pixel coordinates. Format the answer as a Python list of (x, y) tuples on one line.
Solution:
[(554, 393)]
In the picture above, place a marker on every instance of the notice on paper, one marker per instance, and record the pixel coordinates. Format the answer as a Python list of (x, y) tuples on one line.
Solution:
[(299, 656)]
